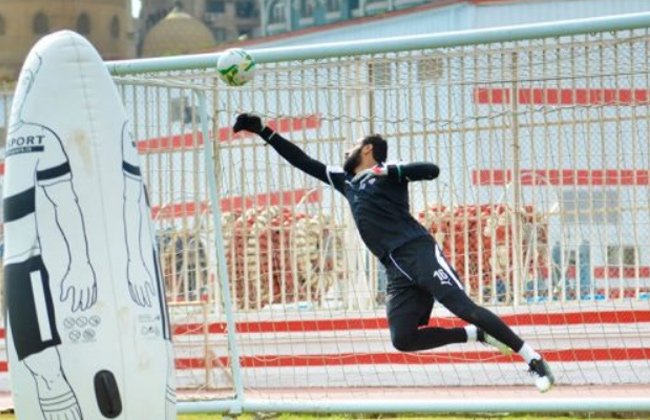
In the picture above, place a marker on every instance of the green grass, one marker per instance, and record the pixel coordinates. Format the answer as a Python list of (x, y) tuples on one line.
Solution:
[(585, 416), (375, 417)]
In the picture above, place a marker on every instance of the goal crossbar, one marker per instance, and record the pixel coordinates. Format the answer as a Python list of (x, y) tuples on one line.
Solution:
[(392, 44)]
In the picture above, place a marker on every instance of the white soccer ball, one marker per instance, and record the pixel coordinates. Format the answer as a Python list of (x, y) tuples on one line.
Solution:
[(236, 66)]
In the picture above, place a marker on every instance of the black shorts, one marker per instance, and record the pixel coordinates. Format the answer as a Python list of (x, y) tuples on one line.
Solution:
[(30, 311), (418, 273)]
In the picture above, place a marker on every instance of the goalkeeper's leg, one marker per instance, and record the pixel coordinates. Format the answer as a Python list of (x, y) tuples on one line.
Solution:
[(463, 307), (408, 313), (424, 265)]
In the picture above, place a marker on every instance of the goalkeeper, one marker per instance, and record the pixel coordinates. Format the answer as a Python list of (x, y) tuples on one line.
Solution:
[(417, 270)]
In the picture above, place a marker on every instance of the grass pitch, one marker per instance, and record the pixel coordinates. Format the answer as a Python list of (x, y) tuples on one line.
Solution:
[(583, 416)]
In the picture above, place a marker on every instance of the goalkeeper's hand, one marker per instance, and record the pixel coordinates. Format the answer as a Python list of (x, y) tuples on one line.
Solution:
[(249, 122), (367, 174)]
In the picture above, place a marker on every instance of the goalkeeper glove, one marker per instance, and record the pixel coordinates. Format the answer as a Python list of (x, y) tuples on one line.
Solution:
[(248, 122)]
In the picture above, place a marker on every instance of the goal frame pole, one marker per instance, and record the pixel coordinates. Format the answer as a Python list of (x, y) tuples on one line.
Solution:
[(215, 207), (545, 405)]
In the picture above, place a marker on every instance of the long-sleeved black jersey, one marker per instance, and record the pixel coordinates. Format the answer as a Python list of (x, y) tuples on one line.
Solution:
[(380, 206)]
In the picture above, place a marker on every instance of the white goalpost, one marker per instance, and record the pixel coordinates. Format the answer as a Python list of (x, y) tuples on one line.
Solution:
[(543, 206)]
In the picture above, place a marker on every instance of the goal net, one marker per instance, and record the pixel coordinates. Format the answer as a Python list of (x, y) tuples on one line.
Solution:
[(542, 205)]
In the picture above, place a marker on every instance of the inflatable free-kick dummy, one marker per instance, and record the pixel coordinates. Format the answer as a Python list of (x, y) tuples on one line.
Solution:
[(88, 332)]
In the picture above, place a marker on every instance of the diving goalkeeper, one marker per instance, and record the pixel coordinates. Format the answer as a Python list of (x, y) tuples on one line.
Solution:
[(416, 268)]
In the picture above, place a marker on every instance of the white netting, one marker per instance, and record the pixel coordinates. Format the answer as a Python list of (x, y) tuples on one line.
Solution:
[(542, 206)]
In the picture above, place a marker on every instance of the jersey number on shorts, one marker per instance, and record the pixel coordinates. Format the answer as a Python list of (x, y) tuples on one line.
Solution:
[(442, 276)]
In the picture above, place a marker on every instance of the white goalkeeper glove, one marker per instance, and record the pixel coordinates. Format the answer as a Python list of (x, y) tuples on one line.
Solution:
[(367, 174)]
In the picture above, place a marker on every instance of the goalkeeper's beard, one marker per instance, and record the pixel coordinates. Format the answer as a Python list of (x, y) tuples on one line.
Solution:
[(352, 162)]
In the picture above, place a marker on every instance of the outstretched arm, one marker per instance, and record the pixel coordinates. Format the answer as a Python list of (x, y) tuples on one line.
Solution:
[(416, 171), (295, 155), (289, 151)]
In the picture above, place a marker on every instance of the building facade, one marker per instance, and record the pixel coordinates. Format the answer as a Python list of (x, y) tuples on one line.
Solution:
[(229, 20), (232, 20), (283, 25), (106, 23), (280, 16), (177, 34)]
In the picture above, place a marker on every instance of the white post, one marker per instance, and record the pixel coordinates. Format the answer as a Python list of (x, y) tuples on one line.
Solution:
[(215, 206)]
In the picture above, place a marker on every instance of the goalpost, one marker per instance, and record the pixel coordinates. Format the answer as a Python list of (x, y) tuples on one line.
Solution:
[(543, 206)]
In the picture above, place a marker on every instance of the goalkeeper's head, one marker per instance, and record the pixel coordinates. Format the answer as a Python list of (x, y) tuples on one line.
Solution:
[(366, 153)]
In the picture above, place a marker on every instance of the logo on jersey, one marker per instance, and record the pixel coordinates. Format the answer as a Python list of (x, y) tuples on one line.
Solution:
[(364, 184), (25, 144)]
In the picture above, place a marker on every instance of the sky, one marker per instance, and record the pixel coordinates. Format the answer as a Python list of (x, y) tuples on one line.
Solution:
[(135, 8)]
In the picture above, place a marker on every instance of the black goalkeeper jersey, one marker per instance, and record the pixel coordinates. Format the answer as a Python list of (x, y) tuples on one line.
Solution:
[(380, 206)]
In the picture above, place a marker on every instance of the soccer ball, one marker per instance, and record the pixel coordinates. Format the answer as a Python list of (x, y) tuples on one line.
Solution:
[(236, 67)]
